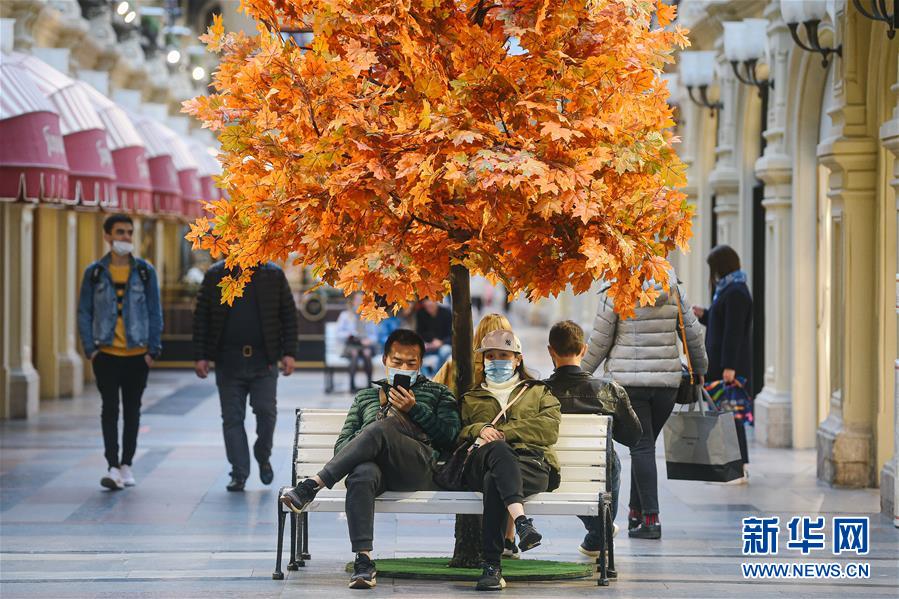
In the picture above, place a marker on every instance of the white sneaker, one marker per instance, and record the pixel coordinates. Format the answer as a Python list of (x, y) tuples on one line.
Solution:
[(127, 476), (614, 530), (113, 480)]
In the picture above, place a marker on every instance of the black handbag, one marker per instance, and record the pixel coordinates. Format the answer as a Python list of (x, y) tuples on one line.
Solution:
[(450, 476), (689, 383)]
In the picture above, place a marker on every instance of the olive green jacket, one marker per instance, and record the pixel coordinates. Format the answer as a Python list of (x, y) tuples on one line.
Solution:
[(532, 423), (435, 411)]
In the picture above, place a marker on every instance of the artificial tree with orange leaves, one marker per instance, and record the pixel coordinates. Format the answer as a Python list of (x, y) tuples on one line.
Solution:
[(415, 141)]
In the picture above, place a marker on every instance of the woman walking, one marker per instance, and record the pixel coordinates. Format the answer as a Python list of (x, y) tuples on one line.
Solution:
[(359, 338), (514, 422), (641, 354), (728, 339)]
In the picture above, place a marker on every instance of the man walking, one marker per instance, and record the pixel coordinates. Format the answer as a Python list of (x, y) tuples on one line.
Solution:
[(245, 341), (434, 323), (580, 393), (389, 442), (120, 325)]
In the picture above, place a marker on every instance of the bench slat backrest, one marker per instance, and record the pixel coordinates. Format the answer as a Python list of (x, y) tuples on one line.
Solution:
[(333, 346), (581, 448)]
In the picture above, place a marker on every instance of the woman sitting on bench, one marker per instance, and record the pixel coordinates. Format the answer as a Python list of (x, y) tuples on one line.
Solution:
[(513, 457), (359, 338)]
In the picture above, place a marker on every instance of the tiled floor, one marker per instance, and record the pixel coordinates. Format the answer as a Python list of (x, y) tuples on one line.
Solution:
[(179, 534)]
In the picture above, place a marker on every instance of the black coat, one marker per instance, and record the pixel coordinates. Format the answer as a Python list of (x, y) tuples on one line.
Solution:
[(728, 335), (277, 313), (580, 393)]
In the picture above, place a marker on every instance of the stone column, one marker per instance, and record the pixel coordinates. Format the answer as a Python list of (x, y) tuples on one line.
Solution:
[(724, 180), (697, 125), (889, 490), (845, 439), (19, 381), (90, 248), (57, 360), (773, 409)]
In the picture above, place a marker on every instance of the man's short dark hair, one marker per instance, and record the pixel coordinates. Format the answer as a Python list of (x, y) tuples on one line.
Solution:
[(566, 338), (404, 337), (115, 219)]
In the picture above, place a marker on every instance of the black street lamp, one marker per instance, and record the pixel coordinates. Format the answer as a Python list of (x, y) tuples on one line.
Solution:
[(879, 12), (809, 14), (697, 72)]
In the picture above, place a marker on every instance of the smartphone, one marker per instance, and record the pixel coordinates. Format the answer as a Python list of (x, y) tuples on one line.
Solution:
[(402, 380)]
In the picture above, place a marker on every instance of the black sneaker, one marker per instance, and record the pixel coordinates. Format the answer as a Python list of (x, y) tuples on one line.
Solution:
[(591, 545), (634, 519), (646, 531), (509, 549), (266, 474), (491, 578), (528, 537), (297, 498), (364, 573), (237, 484)]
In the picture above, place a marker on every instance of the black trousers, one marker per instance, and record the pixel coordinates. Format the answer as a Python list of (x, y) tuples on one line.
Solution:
[(380, 458), (504, 477), (237, 377), (125, 378), (653, 406)]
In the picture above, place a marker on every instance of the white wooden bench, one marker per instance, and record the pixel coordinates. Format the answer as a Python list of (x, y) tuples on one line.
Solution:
[(334, 359), (582, 450)]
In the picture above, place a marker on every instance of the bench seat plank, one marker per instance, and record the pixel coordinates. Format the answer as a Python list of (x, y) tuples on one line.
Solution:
[(461, 502)]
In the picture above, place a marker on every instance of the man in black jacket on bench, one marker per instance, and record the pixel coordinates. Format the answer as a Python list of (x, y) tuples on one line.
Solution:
[(581, 393)]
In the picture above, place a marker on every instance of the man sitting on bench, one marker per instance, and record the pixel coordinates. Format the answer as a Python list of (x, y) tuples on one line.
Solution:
[(580, 393), (389, 442)]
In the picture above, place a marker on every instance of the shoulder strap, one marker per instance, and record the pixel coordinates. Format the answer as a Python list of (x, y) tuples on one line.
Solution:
[(143, 272), (509, 405), (683, 332)]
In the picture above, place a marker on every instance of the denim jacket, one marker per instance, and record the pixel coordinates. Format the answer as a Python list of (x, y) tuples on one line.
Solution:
[(142, 308)]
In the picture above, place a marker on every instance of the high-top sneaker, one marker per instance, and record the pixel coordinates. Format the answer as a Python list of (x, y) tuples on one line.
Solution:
[(528, 537), (364, 573), (297, 498)]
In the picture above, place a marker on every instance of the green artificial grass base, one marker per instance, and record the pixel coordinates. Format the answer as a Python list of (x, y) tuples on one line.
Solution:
[(437, 568)]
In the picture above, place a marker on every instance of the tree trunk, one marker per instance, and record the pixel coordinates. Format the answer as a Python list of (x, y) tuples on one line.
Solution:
[(467, 553)]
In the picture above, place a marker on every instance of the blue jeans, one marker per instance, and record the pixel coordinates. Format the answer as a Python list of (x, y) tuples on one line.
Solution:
[(443, 354), (594, 524)]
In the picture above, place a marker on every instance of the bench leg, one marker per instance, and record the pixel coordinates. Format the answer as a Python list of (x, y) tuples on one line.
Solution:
[(292, 564), (329, 380), (602, 578), (304, 551), (278, 574), (610, 544)]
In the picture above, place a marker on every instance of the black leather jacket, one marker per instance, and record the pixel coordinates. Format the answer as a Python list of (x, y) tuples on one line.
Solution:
[(580, 393), (277, 313)]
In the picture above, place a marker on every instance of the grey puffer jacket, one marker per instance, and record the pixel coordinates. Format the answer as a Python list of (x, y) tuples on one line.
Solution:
[(644, 351)]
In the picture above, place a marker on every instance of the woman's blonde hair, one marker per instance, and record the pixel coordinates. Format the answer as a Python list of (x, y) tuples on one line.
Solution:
[(489, 323)]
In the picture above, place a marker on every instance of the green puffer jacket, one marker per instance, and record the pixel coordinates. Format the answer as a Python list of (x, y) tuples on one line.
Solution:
[(531, 423), (435, 411)]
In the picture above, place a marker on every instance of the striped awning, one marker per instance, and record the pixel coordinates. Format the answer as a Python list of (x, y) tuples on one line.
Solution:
[(129, 157), (91, 171), (33, 164), (163, 175), (209, 168)]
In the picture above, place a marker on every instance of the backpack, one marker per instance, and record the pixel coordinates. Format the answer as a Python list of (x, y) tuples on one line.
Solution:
[(142, 271)]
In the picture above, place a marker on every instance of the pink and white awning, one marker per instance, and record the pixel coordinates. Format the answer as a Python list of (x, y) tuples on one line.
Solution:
[(33, 164), (163, 175), (129, 157), (91, 171)]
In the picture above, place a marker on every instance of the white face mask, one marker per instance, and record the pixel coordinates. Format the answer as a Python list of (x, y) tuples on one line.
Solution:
[(122, 248)]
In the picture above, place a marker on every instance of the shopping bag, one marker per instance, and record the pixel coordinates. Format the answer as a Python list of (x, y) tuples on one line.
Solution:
[(701, 443)]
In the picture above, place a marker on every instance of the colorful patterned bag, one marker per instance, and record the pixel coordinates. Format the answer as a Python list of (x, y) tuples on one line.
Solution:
[(732, 398)]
